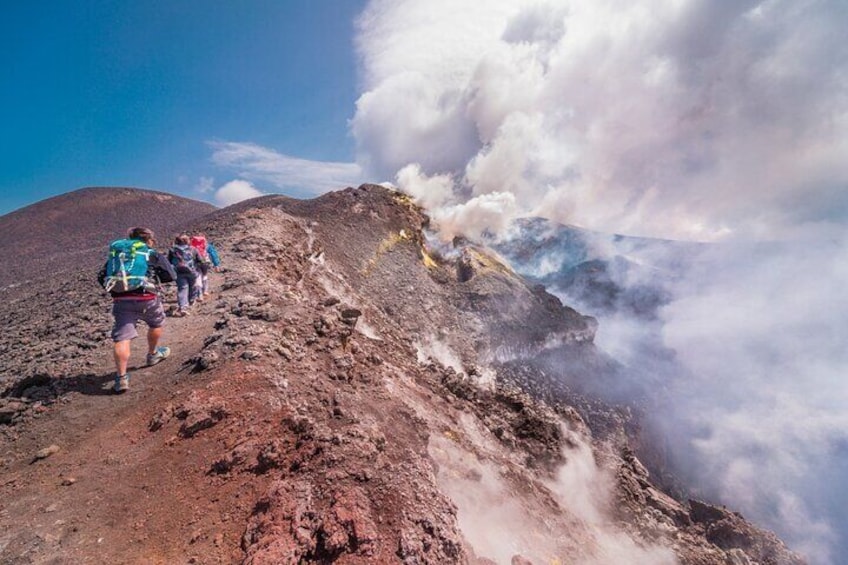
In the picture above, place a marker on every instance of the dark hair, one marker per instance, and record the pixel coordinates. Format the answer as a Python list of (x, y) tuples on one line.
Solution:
[(182, 240), (144, 234)]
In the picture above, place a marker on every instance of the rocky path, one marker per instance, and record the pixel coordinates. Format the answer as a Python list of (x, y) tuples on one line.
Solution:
[(97, 494), (114, 492), (267, 437)]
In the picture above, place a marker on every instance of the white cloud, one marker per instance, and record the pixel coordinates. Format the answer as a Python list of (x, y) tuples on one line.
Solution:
[(205, 185), (302, 177), (680, 119), (235, 191)]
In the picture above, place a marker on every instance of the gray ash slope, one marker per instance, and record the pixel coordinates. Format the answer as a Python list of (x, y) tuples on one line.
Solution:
[(359, 400)]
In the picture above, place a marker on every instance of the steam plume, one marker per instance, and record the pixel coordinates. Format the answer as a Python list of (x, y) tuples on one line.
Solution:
[(500, 521), (688, 119)]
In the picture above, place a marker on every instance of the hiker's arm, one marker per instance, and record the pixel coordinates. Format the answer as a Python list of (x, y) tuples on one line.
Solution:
[(101, 275), (164, 270)]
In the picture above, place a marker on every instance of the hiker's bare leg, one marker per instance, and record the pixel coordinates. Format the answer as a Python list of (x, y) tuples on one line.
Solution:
[(122, 356), (153, 335)]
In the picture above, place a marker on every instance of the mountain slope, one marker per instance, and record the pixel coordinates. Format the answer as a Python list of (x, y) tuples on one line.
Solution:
[(75, 228), (338, 401)]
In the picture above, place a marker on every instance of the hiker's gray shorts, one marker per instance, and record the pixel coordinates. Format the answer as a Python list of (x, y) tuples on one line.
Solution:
[(129, 312)]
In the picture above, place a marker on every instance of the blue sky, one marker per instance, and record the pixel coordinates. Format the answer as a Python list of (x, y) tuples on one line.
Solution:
[(133, 93), (238, 98)]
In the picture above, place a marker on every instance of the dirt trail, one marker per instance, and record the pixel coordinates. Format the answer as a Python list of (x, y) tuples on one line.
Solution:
[(259, 409), (100, 492)]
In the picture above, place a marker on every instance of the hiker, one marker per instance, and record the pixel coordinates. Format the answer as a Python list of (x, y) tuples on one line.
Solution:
[(209, 259), (132, 275), (213, 255), (186, 261)]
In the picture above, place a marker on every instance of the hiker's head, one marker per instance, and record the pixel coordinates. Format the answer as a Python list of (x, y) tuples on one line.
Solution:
[(182, 240), (144, 234)]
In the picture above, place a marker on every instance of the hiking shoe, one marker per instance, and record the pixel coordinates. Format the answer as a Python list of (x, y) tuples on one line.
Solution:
[(122, 384), (160, 354)]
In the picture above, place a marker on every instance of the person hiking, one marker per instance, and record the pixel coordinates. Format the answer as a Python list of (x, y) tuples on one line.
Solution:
[(213, 256), (185, 260), (209, 259), (132, 275)]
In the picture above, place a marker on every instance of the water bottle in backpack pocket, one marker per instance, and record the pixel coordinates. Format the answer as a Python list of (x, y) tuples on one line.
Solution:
[(126, 266)]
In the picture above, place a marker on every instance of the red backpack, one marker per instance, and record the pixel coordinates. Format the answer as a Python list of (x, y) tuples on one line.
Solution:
[(199, 243)]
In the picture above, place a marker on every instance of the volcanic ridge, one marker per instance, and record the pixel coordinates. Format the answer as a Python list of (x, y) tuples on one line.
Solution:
[(354, 392)]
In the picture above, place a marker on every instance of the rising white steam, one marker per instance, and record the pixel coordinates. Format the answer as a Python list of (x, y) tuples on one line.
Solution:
[(490, 212), (436, 349), (692, 119), (762, 333), (689, 119), (753, 401), (501, 518)]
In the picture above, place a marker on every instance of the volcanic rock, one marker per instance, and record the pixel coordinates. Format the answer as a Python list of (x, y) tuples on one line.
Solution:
[(353, 396), (46, 452)]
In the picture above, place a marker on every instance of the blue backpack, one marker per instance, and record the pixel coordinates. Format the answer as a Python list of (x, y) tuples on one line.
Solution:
[(126, 268)]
